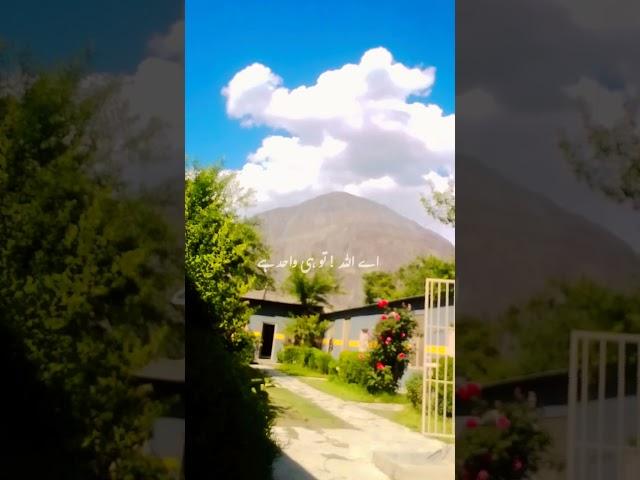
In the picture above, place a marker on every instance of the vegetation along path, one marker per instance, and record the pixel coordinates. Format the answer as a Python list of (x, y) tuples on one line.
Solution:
[(342, 453)]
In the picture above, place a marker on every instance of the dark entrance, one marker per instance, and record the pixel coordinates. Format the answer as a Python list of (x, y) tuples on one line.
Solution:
[(267, 340)]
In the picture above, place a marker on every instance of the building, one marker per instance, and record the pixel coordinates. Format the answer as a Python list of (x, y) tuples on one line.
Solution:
[(351, 329)]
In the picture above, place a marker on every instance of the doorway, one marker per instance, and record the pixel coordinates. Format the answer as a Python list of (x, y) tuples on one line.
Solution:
[(266, 348)]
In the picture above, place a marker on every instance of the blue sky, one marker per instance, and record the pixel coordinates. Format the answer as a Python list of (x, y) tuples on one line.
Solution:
[(299, 41), (117, 32)]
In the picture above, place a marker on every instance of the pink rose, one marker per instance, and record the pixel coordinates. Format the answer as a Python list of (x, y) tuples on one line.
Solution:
[(517, 465), (503, 422), (482, 475)]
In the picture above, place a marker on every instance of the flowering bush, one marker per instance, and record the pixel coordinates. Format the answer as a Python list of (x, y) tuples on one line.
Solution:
[(499, 443), (389, 356)]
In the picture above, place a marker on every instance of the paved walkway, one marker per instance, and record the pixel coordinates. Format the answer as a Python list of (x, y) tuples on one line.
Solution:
[(339, 454)]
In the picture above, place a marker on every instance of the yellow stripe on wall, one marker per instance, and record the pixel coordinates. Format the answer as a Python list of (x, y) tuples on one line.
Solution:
[(279, 336), (354, 343), (337, 342), (325, 341), (437, 349), (257, 334)]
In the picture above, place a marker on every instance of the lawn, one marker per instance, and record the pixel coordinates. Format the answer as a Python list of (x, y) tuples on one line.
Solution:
[(351, 392), (411, 418), (299, 370), (295, 411)]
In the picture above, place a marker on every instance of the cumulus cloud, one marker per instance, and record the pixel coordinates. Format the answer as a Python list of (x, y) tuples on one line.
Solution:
[(364, 128)]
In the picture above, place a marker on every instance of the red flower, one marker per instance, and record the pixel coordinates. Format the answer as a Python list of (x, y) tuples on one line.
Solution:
[(473, 390), (402, 356), (384, 316), (517, 464), (382, 303), (379, 366), (503, 422), (463, 393), (403, 334), (472, 422), (482, 475)]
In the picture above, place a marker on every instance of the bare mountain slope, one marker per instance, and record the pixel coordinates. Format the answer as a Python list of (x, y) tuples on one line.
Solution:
[(511, 241), (343, 224)]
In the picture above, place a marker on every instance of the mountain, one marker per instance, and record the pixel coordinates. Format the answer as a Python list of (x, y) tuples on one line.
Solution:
[(510, 242), (342, 224)]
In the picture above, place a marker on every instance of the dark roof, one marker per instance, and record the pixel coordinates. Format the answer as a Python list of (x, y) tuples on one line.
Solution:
[(417, 303), (274, 307)]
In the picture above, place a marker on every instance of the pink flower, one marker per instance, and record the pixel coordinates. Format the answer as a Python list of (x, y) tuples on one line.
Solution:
[(382, 303), (503, 422), (472, 422), (395, 315), (517, 464), (403, 334), (482, 475), (402, 356), (384, 316), (379, 366)]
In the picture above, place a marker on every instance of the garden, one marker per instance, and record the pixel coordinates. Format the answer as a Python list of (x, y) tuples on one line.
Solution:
[(368, 377)]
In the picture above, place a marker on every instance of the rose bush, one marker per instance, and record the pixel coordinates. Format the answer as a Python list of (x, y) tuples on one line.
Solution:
[(499, 442), (389, 355)]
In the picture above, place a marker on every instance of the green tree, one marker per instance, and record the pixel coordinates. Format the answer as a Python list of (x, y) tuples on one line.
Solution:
[(312, 290), (408, 280), (411, 277), (221, 255), (441, 205), (608, 158), (86, 274), (379, 285), (307, 330)]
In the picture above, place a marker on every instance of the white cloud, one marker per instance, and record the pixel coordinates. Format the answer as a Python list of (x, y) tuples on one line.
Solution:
[(358, 128)]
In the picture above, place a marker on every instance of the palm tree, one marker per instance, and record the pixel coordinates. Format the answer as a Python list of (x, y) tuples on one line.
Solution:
[(312, 289)]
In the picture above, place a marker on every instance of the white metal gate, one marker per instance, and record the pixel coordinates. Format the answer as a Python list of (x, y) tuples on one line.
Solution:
[(603, 437), (438, 372)]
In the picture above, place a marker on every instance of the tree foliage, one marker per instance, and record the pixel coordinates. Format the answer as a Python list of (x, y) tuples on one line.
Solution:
[(509, 346), (608, 158), (312, 290), (408, 280), (232, 421), (307, 330), (221, 251), (86, 272), (441, 205)]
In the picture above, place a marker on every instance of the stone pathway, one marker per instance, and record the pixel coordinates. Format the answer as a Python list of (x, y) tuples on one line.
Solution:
[(340, 454)]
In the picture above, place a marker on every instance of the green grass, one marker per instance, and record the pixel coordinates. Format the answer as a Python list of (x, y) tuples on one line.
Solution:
[(352, 392), (299, 370), (411, 418), (294, 411)]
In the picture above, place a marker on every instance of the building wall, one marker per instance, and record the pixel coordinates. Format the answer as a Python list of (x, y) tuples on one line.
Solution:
[(345, 331)]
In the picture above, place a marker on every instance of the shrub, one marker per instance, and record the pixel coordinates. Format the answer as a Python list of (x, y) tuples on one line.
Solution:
[(319, 361), (353, 367), (245, 343), (414, 390), (389, 357), (414, 387), (306, 330), (312, 358), (503, 442)]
